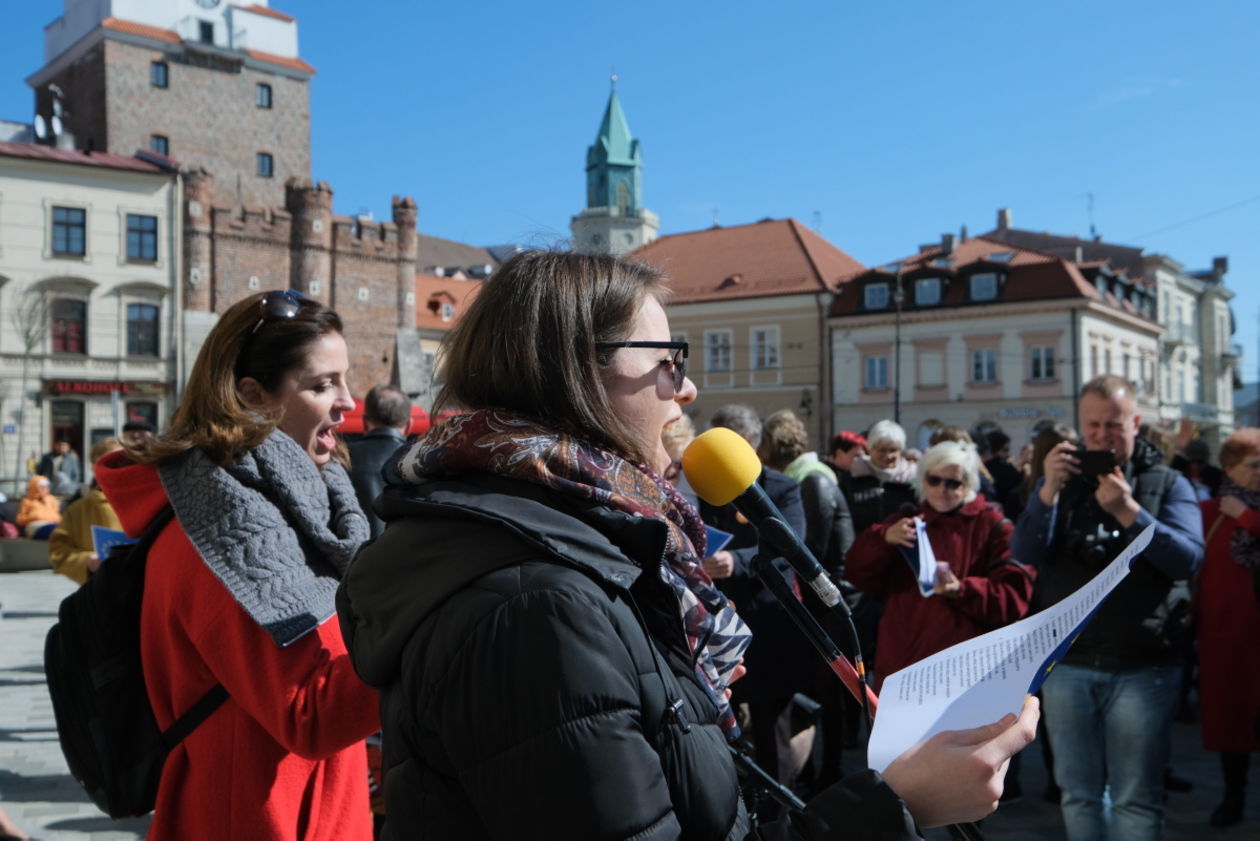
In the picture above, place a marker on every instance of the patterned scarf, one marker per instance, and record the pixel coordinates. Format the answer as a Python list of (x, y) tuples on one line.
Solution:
[(1243, 548), (509, 445)]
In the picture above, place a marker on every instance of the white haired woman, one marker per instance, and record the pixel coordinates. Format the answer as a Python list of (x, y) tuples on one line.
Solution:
[(979, 586), (882, 480)]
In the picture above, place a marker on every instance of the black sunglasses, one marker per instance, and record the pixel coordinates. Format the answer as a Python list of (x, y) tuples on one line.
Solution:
[(279, 304), (678, 364), (950, 484)]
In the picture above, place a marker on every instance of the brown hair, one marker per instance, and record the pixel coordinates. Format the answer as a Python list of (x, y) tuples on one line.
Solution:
[(677, 435), (1162, 439), (959, 436), (103, 447), (527, 342), (1046, 440), (1240, 445), (1108, 386), (783, 439), (244, 343)]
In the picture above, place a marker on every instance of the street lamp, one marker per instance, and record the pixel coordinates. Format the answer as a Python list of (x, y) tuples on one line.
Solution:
[(898, 300)]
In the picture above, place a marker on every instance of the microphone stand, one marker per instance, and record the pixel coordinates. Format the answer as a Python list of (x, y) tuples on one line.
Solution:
[(779, 792), (763, 566), (853, 677)]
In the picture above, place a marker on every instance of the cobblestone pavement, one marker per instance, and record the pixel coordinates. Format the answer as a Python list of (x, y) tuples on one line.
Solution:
[(39, 795)]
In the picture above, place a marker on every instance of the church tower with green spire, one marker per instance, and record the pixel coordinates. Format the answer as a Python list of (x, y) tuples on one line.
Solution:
[(614, 220)]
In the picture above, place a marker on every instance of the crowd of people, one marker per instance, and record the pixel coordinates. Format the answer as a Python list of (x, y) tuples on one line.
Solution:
[(528, 586)]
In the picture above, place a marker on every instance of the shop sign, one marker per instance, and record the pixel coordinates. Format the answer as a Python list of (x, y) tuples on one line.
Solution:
[(91, 388)]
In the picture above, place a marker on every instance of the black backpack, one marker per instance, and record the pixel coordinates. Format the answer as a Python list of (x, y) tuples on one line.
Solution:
[(108, 733)]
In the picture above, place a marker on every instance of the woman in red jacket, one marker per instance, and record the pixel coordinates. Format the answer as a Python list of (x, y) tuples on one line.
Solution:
[(978, 585), (1228, 613), (239, 587)]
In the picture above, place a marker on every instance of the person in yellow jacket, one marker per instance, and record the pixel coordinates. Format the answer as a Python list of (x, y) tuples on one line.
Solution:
[(70, 546)]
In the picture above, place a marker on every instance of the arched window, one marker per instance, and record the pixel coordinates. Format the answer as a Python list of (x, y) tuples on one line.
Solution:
[(623, 199)]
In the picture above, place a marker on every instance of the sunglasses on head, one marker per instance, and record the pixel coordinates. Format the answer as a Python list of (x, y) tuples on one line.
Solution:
[(279, 304), (678, 363), (936, 481)]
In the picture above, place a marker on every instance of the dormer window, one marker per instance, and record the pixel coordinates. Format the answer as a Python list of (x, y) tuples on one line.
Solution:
[(1100, 283), (876, 296), (448, 311), (927, 291), (984, 286)]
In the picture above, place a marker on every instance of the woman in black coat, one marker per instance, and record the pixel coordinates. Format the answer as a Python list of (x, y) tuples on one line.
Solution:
[(553, 661)]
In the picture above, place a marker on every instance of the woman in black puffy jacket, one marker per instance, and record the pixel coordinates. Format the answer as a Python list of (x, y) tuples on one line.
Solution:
[(553, 661)]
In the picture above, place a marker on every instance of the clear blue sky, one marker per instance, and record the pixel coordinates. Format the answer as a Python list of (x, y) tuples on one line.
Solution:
[(894, 122)]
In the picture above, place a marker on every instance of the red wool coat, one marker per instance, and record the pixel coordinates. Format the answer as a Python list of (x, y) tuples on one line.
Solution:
[(1228, 623), (975, 540), (283, 759)]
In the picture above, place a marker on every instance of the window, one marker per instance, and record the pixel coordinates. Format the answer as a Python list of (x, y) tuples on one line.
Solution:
[(983, 287), (141, 413), (141, 237), (69, 233), (765, 348), (159, 74), (69, 326), (984, 366), (877, 372), (262, 95), (205, 31), (160, 143), (717, 350), (876, 296), (142, 330), (266, 165), (1041, 363), (448, 311), (927, 291)]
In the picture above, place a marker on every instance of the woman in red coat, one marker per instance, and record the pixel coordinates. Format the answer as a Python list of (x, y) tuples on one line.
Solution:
[(239, 588), (978, 585), (1229, 620)]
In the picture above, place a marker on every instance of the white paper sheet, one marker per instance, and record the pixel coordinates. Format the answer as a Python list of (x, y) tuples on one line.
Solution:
[(927, 558), (978, 681)]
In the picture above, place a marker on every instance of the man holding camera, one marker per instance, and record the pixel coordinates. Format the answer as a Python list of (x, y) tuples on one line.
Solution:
[(1109, 704)]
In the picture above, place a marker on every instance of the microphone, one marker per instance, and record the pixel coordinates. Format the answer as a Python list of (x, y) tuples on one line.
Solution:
[(722, 469)]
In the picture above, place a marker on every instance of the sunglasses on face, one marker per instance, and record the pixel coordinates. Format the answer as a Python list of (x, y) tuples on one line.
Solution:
[(279, 304), (937, 481), (677, 364)]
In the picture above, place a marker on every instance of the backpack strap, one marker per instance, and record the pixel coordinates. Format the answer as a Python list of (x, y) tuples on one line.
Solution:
[(196, 714), (213, 699)]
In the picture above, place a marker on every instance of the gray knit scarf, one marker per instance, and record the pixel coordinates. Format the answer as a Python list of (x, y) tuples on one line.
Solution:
[(274, 528)]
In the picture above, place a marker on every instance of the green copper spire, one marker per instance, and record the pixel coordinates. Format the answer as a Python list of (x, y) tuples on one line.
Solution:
[(614, 163)]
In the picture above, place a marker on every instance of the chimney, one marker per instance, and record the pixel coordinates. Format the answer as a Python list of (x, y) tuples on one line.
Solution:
[(1080, 254), (1004, 219), (962, 234), (1220, 267), (948, 241)]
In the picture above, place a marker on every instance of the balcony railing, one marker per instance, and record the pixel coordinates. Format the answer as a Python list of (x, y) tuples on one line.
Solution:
[(1181, 332), (1233, 353)]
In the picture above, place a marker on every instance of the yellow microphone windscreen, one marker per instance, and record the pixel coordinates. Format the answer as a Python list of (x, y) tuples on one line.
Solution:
[(720, 465)]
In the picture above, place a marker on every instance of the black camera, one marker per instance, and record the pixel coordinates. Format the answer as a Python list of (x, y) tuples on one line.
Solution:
[(1097, 547)]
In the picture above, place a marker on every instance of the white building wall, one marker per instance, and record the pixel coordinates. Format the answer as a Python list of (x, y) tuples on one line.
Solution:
[(103, 278)]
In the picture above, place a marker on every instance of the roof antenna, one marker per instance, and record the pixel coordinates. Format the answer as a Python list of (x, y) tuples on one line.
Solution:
[(715, 216), (818, 222), (1093, 231)]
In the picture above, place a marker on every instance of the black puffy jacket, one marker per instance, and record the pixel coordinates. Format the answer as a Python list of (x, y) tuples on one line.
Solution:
[(534, 684)]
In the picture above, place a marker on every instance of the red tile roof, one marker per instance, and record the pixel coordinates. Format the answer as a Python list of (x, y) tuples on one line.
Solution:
[(36, 152), (1030, 275), (172, 37), (770, 257), (268, 12), (272, 58), (432, 291), (141, 29)]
